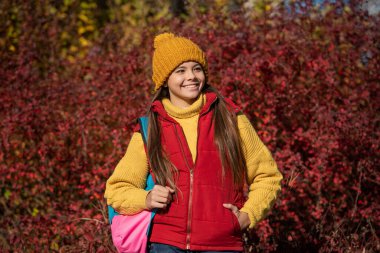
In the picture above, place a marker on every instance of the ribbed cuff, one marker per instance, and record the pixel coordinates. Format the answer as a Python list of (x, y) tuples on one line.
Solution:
[(251, 217)]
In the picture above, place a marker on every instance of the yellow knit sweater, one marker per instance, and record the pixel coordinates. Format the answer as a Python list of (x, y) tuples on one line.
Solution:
[(125, 188)]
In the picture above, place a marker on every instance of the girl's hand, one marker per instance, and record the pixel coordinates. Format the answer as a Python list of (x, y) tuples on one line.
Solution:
[(159, 197), (241, 216)]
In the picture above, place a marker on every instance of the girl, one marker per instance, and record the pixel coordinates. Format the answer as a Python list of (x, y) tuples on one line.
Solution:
[(201, 150)]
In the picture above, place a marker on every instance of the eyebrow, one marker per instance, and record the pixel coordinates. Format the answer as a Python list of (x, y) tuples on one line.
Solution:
[(196, 65)]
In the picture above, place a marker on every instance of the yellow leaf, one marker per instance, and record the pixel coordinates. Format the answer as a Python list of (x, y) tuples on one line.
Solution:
[(125, 8), (160, 14), (82, 54), (62, 15), (52, 10), (35, 212), (81, 30), (67, 2), (73, 48), (87, 6), (54, 246), (65, 35), (64, 52), (220, 3), (10, 31), (84, 18), (71, 58), (12, 48), (90, 28), (347, 9), (84, 42)]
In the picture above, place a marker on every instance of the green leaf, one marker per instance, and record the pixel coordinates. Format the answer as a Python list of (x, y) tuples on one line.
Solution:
[(7, 194)]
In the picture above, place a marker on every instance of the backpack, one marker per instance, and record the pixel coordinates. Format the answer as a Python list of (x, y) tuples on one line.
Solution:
[(130, 232)]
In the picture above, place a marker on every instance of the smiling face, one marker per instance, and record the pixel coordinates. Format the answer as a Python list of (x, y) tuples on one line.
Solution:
[(186, 83)]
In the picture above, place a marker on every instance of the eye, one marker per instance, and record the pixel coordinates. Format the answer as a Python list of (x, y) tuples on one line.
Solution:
[(180, 71), (198, 68)]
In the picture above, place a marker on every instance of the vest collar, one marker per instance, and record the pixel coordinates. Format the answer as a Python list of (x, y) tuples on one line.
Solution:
[(210, 98), (183, 113)]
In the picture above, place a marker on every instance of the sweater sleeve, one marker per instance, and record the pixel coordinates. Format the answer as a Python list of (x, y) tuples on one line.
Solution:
[(125, 188), (263, 176)]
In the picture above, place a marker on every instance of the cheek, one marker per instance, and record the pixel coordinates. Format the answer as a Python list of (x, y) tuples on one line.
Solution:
[(201, 77), (173, 80)]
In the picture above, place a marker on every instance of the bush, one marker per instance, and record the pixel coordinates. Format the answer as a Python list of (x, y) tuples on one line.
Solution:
[(307, 78)]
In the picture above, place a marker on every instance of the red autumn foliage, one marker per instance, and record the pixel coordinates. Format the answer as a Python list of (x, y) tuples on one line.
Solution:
[(308, 83)]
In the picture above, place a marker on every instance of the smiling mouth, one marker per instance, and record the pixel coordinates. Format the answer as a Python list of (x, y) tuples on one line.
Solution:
[(191, 85)]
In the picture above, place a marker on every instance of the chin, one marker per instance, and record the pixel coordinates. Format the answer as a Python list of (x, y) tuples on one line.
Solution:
[(194, 95)]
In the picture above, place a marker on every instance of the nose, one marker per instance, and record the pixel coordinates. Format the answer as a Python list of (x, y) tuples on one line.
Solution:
[(190, 75)]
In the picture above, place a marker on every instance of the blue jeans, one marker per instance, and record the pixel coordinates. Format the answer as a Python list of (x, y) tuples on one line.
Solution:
[(164, 248)]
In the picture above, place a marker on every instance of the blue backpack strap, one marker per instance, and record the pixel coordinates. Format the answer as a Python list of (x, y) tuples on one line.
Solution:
[(111, 213), (144, 132), (143, 121), (149, 182)]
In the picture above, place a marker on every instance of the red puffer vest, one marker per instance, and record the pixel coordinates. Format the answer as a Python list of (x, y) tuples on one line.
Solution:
[(196, 218)]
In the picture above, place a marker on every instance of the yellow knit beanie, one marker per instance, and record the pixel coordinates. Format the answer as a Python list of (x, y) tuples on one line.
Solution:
[(171, 51)]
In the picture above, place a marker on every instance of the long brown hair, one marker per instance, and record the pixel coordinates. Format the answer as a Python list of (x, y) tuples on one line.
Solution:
[(227, 139)]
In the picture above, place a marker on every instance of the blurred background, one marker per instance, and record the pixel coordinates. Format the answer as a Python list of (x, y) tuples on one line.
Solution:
[(75, 75)]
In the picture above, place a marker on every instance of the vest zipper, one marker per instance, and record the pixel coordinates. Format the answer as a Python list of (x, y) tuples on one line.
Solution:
[(189, 216)]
